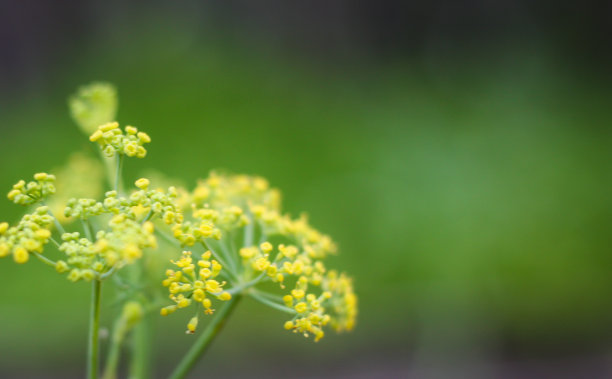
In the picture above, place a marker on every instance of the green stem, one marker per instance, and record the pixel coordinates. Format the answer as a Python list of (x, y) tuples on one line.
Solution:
[(140, 363), (249, 231), (229, 268), (44, 259), (167, 238), (58, 226), (141, 350), (203, 342), (94, 326), (57, 244), (87, 229), (112, 361), (273, 304), (242, 286), (118, 184)]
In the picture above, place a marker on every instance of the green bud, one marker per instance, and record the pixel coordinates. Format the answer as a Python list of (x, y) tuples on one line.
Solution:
[(93, 105)]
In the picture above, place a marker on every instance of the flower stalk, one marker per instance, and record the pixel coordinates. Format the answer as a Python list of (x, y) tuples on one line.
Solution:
[(205, 339), (93, 354)]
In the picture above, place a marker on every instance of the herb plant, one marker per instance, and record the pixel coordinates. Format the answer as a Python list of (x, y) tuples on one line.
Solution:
[(225, 239)]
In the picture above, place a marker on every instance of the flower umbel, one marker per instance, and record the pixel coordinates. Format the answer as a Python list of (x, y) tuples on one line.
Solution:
[(34, 191), (113, 140), (29, 236), (244, 216)]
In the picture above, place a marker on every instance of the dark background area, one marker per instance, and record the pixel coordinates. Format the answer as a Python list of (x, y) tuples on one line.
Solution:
[(459, 152), (41, 37)]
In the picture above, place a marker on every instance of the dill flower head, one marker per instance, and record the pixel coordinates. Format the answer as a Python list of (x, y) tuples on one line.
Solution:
[(241, 225), (34, 191), (113, 140), (123, 228), (27, 237)]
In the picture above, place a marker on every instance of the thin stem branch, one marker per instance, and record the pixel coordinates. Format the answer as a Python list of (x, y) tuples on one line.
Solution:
[(94, 326), (57, 244), (242, 286), (58, 226), (204, 340), (229, 268), (167, 238), (249, 232), (147, 217), (119, 159), (87, 229), (272, 304), (44, 259), (267, 295), (108, 273)]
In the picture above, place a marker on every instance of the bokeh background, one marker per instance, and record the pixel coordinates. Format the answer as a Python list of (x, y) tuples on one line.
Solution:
[(458, 151)]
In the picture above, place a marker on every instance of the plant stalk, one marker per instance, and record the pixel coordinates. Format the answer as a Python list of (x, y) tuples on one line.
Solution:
[(140, 366), (114, 353), (204, 340), (94, 327)]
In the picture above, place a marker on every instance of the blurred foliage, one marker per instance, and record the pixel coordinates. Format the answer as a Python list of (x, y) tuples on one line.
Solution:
[(470, 202)]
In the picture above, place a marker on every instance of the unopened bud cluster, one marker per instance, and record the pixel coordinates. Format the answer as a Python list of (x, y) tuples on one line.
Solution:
[(29, 236), (34, 191), (113, 140)]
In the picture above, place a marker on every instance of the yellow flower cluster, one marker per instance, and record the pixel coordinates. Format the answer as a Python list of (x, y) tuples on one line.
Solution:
[(145, 203), (225, 191), (113, 141), (221, 196), (343, 301), (34, 191), (27, 237), (318, 297), (187, 286), (124, 243), (83, 208), (190, 232), (256, 243), (113, 249)]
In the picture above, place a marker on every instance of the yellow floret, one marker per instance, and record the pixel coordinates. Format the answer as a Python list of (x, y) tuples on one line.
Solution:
[(225, 296), (301, 307), (4, 249), (108, 126), (142, 183), (20, 255), (266, 247), (298, 294), (96, 136), (144, 137), (193, 324)]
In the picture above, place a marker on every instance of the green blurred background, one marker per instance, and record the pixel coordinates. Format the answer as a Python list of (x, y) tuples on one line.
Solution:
[(459, 153)]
